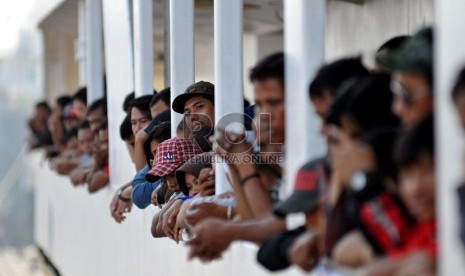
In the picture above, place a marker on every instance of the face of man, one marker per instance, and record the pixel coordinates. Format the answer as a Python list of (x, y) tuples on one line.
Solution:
[(138, 120), (269, 109), (95, 118), (413, 98), (103, 139), (417, 189), (86, 140), (81, 110), (198, 112), (158, 108), (172, 182)]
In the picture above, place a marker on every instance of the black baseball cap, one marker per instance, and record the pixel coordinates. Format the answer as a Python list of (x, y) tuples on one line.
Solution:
[(201, 88), (307, 191)]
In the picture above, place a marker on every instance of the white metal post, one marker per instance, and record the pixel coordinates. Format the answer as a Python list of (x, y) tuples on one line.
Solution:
[(80, 50), (182, 51), (94, 50), (229, 99), (304, 49), (449, 58), (143, 47)]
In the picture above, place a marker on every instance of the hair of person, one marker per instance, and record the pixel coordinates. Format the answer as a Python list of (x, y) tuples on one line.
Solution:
[(84, 125), (44, 105), (142, 103), (127, 100), (103, 125), (393, 43), (330, 76), (416, 143), (159, 134), (459, 86), (367, 101), (99, 103), (164, 96), (125, 129), (271, 67), (81, 95), (63, 101)]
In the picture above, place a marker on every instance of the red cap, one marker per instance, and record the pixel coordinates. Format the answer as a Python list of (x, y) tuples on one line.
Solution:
[(171, 154)]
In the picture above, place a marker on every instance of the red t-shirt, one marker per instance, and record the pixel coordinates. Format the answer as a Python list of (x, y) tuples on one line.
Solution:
[(421, 237)]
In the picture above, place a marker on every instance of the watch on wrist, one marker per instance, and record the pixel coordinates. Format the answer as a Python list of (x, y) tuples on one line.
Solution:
[(121, 197)]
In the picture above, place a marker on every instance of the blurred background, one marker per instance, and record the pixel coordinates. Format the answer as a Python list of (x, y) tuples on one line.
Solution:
[(19, 89)]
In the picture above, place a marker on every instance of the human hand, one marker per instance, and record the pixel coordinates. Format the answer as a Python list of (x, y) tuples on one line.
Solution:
[(199, 211), (114, 207), (206, 182), (349, 156), (210, 239), (169, 219), (304, 252)]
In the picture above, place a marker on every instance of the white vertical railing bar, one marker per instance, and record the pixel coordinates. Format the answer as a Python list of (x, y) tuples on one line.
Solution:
[(182, 51), (229, 99), (80, 50), (166, 43), (449, 57), (304, 50), (143, 47), (94, 50)]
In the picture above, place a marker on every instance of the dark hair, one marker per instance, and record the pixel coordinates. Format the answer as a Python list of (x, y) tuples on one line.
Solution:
[(160, 133), (100, 103), (44, 105), (271, 67), (127, 100), (332, 75), (125, 129), (393, 43), (81, 95), (382, 141), (164, 116), (63, 101), (84, 125), (459, 86), (416, 142), (142, 103), (367, 101), (103, 125), (164, 96), (72, 133)]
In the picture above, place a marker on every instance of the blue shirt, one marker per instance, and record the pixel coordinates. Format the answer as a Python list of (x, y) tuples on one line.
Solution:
[(142, 189)]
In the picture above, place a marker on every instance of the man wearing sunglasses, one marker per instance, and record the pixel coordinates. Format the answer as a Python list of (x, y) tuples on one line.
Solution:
[(412, 77)]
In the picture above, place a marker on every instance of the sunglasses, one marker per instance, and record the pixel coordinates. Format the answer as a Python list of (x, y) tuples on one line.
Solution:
[(409, 96)]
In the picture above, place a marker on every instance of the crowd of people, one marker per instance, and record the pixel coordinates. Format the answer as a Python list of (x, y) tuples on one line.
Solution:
[(369, 203)]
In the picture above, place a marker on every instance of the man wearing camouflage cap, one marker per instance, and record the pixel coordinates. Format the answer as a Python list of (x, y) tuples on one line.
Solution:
[(197, 105), (412, 79)]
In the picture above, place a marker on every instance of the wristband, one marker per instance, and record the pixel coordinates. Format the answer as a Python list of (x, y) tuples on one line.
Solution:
[(248, 177), (123, 199)]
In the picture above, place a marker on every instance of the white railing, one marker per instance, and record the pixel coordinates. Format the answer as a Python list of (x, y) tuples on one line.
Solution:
[(77, 233)]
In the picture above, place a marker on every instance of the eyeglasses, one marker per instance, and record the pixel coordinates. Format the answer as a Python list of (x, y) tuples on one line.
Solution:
[(409, 96)]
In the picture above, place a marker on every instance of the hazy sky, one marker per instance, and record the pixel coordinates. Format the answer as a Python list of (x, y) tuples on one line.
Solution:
[(13, 15)]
